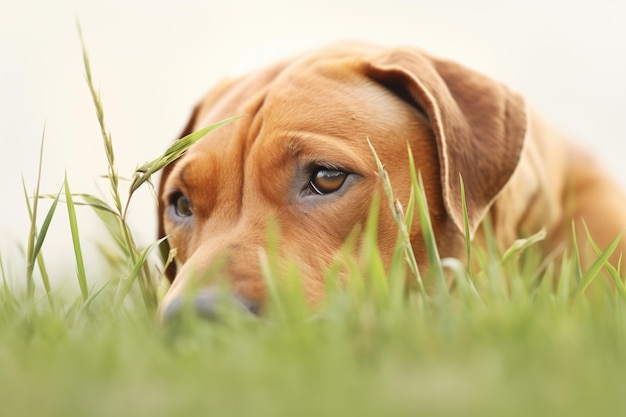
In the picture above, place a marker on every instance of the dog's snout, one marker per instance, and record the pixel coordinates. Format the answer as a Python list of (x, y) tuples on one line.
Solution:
[(209, 304)]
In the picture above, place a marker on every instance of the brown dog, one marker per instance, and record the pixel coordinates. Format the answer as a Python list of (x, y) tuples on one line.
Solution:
[(301, 158)]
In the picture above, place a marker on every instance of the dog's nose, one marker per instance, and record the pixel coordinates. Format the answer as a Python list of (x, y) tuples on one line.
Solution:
[(208, 304)]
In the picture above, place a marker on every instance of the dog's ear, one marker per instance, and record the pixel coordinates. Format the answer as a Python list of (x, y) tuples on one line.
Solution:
[(170, 271), (479, 124)]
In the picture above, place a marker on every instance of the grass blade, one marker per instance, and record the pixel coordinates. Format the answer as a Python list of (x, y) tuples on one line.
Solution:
[(7, 299), (37, 249), (429, 239), (93, 296), (134, 273), (41, 236), (492, 267), (597, 265), (464, 284), (520, 245), (106, 135), (612, 271), (5, 284), (436, 268), (466, 228), (175, 150), (78, 253), (94, 202), (111, 221), (32, 234), (39, 257), (398, 216), (145, 282), (578, 269)]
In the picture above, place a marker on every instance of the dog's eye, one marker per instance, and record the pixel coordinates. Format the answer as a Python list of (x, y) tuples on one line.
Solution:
[(181, 204), (326, 181)]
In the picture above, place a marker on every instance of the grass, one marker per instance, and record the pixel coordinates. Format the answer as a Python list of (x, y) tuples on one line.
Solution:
[(511, 338)]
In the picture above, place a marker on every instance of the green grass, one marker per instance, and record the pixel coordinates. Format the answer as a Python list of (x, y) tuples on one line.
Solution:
[(512, 338)]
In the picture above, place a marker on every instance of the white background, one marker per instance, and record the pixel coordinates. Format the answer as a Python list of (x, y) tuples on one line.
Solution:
[(152, 59)]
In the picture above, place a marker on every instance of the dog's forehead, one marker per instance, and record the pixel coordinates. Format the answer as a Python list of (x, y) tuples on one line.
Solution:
[(320, 95), (322, 87), (332, 98)]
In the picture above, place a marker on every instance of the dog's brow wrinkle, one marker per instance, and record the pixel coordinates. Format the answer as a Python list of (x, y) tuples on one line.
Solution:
[(324, 149), (182, 176), (301, 141), (294, 145)]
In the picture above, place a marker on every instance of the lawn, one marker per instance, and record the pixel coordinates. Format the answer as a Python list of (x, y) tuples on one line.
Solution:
[(532, 353), (513, 337)]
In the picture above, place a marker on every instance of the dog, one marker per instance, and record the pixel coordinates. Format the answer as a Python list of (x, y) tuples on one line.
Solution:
[(301, 159)]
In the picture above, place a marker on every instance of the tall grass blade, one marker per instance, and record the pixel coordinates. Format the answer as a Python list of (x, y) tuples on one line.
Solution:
[(613, 272), (32, 234), (270, 269), (134, 273), (7, 299), (5, 284), (106, 135), (376, 274), (436, 268), (466, 228), (39, 257), (45, 278), (597, 265), (147, 289), (493, 267), (78, 253), (615, 276), (564, 281), (578, 269), (41, 236), (401, 221)]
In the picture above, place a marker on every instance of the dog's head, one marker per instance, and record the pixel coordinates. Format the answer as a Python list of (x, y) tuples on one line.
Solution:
[(301, 160)]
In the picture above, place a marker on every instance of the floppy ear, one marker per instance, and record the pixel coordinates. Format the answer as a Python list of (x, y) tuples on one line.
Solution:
[(479, 124)]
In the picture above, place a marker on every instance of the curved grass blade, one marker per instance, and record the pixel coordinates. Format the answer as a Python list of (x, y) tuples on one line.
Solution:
[(520, 245), (613, 272), (175, 150), (41, 236), (134, 273), (597, 265), (111, 221), (464, 283), (93, 296)]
